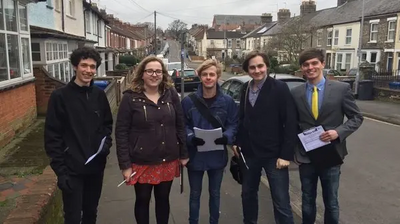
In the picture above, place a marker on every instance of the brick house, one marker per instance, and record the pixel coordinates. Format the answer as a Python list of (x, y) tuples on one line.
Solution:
[(379, 37), (17, 87)]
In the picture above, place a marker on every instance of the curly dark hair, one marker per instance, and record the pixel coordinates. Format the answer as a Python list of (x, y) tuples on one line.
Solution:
[(83, 53), (252, 55)]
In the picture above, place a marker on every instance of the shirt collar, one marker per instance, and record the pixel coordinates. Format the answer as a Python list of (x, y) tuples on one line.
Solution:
[(259, 86), (319, 85)]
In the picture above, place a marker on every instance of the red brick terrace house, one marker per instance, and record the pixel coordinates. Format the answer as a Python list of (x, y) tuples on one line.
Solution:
[(17, 87)]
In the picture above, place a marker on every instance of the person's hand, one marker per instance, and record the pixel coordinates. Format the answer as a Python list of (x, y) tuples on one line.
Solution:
[(127, 174), (330, 135), (184, 161), (221, 141), (63, 182), (197, 141), (281, 163), (235, 151)]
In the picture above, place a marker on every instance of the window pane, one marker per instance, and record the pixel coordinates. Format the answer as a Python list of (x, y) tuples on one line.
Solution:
[(11, 15), (26, 55), (60, 51), (3, 58), (56, 71), (23, 18), (62, 75), (55, 52), (13, 55), (1, 17), (50, 70)]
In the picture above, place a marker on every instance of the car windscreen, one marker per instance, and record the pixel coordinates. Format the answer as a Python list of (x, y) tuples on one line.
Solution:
[(190, 73), (292, 83), (173, 66)]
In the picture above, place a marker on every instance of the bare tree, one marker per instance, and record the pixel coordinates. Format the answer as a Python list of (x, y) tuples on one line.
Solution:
[(176, 28), (294, 36)]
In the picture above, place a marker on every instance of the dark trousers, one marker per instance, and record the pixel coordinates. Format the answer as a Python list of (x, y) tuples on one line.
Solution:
[(142, 203), (80, 205), (279, 185), (330, 186), (214, 189)]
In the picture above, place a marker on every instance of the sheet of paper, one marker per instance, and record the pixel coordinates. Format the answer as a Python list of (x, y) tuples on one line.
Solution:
[(209, 137), (310, 138), (98, 151)]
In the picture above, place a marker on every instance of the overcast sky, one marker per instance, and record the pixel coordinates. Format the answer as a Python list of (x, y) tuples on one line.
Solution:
[(197, 11)]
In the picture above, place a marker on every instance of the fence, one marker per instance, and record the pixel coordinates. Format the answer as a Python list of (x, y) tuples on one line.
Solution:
[(390, 80)]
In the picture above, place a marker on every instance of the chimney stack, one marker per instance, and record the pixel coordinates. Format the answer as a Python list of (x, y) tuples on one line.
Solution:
[(307, 7), (266, 18), (283, 15)]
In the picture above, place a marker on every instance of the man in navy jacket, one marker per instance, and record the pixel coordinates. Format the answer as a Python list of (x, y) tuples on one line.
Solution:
[(266, 135), (224, 109)]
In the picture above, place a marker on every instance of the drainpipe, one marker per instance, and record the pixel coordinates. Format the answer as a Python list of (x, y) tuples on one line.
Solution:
[(98, 30), (62, 16)]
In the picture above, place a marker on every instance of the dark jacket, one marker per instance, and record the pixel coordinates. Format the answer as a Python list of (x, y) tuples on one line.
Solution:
[(77, 119), (147, 133), (269, 129), (225, 110)]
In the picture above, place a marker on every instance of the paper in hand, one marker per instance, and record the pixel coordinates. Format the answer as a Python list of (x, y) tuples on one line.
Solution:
[(98, 151)]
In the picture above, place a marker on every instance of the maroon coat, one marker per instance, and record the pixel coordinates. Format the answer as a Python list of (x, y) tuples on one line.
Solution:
[(147, 133)]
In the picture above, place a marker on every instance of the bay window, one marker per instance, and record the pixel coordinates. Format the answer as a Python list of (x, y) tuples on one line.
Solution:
[(15, 58)]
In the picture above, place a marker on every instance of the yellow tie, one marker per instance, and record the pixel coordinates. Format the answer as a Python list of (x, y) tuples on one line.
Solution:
[(314, 103)]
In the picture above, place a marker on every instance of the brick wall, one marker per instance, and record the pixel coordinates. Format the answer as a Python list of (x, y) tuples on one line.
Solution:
[(45, 84), (17, 111)]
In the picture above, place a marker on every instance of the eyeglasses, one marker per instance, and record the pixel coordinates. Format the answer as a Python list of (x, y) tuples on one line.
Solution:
[(151, 72)]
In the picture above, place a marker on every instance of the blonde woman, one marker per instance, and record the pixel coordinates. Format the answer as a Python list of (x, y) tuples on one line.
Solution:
[(150, 137)]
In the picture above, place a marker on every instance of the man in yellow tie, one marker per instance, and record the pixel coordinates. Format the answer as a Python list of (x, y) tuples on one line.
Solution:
[(323, 102)]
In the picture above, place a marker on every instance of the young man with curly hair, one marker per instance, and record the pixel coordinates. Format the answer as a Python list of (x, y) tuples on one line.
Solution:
[(79, 122)]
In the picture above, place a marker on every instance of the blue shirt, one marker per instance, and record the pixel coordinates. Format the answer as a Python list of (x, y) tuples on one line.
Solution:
[(320, 88), (253, 94)]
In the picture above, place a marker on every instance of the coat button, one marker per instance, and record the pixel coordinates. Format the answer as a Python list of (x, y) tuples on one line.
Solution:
[(163, 143), (159, 108), (177, 143), (162, 101), (162, 125), (133, 100), (141, 148), (163, 160)]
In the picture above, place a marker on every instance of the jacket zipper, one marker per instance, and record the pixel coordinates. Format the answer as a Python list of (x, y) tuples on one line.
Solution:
[(169, 108), (145, 112)]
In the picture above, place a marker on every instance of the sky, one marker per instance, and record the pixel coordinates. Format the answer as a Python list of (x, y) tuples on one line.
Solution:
[(197, 11)]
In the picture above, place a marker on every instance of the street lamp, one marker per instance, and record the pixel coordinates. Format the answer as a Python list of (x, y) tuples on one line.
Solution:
[(359, 52)]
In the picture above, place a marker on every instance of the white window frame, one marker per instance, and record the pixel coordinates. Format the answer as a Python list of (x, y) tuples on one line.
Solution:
[(336, 38), (372, 32), (88, 22), (329, 38), (229, 43), (319, 38), (57, 5), (339, 63), (393, 30), (19, 34), (349, 37), (347, 61), (71, 8)]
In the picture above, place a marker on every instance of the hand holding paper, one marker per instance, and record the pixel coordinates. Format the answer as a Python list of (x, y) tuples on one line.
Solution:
[(310, 139)]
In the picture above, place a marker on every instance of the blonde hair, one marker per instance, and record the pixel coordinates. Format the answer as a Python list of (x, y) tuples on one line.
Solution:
[(138, 83), (207, 64)]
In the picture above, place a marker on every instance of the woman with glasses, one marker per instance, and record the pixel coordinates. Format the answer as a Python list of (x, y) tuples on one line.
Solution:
[(150, 137)]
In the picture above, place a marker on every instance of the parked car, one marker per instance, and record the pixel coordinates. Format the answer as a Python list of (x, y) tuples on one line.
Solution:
[(232, 86), (171, 66), (191, 79), (331, 71)]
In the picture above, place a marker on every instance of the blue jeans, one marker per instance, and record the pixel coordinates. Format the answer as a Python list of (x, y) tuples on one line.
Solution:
[(330, 185), (279, 185), (214, 188)]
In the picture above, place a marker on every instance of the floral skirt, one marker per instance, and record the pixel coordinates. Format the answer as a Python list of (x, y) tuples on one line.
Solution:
[(155, 174)]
